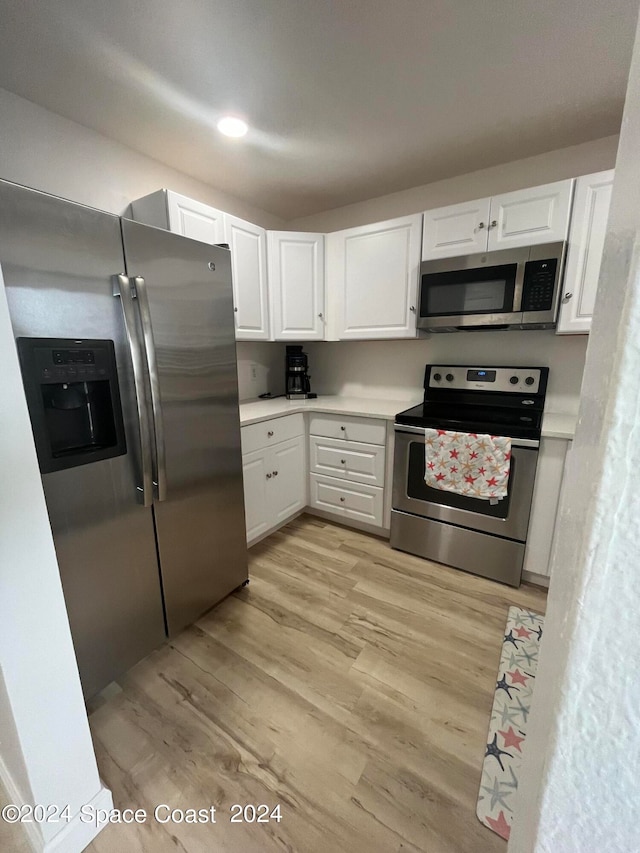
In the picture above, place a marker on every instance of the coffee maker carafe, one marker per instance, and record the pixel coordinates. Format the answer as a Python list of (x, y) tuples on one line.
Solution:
[(297, 376)]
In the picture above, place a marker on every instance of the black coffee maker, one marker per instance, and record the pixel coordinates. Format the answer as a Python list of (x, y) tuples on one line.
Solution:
[(297, 376)]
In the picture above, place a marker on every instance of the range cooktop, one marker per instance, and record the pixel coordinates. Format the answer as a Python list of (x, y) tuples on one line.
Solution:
[(496, 400)]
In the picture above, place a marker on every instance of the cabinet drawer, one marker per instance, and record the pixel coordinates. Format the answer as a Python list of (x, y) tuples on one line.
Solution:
[(349, 460), (367, 430), (266, 433), (351, 500)]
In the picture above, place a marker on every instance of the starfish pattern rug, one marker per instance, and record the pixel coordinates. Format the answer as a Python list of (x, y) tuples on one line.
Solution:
[(509, 717)]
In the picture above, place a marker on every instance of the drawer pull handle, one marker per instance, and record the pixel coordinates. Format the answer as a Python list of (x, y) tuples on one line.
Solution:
[(268, 476), (270, 434), (275, 473), (343, 428), (342, 499), (343, 461)]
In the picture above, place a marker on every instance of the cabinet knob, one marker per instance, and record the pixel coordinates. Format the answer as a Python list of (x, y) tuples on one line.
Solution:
[(270, 434), (343, 428), (235, 310), (342, 499), (413, 308), (268, 476), (275, 473), (343, 461), (567, 297), (480, 225), (321, 315), (494, 222)]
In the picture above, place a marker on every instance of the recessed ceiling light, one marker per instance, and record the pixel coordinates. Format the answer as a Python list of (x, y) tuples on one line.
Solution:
[(232, 126)]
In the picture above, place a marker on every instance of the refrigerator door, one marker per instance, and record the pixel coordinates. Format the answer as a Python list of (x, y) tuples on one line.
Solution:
[(185, 286), (57, 260)]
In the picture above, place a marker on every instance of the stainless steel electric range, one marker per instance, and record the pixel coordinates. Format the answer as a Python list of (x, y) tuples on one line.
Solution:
[(468, 533)]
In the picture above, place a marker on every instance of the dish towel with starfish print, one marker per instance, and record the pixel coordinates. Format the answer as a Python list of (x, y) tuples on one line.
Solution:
[(467, 463)]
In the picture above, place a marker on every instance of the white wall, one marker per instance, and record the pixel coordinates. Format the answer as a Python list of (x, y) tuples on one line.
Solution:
[(268, 360), (544, 168), (395, 369), (46, 753), (47, 152), (579, 787)]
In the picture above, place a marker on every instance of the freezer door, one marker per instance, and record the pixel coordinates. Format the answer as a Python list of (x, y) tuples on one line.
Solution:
[(57, 260), (199, 508)]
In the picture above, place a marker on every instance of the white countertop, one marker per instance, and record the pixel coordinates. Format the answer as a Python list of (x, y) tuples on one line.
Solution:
[(365, 407), (559, 425), (254, 411)]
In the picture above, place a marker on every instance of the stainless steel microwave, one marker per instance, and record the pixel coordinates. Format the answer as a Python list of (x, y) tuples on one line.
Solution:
[(508, 289)]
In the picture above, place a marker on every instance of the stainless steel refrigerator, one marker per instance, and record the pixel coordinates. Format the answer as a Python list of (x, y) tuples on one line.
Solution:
[(126, 340)]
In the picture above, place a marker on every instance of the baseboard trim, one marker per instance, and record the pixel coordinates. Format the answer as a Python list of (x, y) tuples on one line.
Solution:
[(273, 529), (382, 532), (536, 579), (15, 797), (74, 836)]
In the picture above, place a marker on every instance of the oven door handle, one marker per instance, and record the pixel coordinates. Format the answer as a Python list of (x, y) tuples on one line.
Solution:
[(515, 442)]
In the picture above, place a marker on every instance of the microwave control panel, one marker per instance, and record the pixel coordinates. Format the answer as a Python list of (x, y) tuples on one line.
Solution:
[(539, 284)]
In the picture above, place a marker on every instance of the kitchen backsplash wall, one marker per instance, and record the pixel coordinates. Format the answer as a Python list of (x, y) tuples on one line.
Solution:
[(260, 368), (395, 369)]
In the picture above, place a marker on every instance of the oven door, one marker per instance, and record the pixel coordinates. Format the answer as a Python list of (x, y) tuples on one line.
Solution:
[(508, 518)]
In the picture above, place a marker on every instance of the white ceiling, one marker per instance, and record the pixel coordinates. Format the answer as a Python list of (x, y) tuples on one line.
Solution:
[(347, 99)]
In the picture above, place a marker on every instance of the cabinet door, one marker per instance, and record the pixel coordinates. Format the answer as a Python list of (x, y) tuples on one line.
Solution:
[(584, 255), (353, 500), (194, 219), (287, 491), (459, 229), (376, 269), (296, 285), (249, 268), (257, 509), (348, 460), (532, 216)]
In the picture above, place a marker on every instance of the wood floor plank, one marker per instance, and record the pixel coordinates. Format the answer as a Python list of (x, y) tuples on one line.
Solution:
[(348, 682)]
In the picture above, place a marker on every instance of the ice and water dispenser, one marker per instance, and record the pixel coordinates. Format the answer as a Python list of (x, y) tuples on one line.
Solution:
[(74, 401)]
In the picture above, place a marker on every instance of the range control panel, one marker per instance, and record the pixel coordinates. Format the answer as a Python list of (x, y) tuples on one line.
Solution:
[(518, 380)]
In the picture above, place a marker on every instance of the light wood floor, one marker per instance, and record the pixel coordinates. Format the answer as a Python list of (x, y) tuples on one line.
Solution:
[(350, 683)]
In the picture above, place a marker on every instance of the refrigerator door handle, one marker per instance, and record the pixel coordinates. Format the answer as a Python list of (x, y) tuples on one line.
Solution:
[(122, 288), (154, 381)]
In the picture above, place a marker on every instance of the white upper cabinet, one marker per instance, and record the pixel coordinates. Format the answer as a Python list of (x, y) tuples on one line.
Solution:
[(584, 255), (194, 219), (459, 229), (182, 215), (248, 244), (522, 218), (529, 217), (374, 271), (296, 285)]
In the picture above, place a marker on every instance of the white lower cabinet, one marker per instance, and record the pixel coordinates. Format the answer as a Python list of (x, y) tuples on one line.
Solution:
[(347, 467), (351, 500), (257, 511), (544, 507), (349, 460), (275, 482)]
